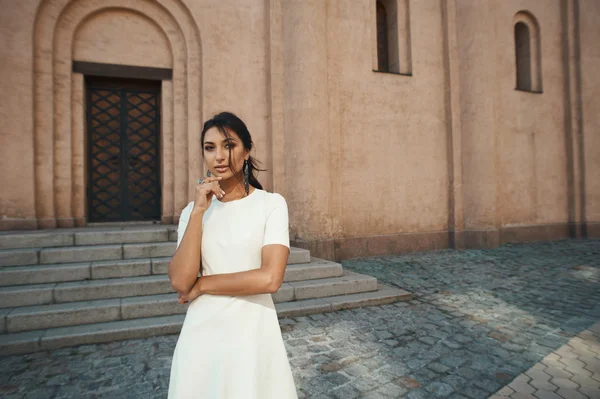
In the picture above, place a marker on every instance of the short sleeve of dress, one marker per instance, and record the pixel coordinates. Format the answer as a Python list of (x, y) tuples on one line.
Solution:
[(276, 226), (183, 221)]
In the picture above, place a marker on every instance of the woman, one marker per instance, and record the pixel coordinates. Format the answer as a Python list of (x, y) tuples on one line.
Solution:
[(236, 234)]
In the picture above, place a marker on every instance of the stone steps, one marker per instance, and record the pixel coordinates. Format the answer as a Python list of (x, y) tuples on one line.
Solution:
[(87, 236), (47, 299), (95, 311), (92, 253), (64, 272), (67, 287), (58, 337)]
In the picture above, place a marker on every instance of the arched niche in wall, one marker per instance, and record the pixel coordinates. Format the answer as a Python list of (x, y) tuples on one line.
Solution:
[(528, 62), (119, 36), (61, 30)]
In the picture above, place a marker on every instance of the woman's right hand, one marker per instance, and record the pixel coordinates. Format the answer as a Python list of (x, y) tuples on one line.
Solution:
[(205, 191)]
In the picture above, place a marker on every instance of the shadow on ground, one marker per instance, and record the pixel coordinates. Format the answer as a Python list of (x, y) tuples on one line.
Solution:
[(481, 317)]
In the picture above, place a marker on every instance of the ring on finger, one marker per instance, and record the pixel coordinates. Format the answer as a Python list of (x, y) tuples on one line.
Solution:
[(200, 181)]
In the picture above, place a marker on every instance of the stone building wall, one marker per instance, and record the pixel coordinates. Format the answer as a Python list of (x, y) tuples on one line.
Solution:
[(441, 152)]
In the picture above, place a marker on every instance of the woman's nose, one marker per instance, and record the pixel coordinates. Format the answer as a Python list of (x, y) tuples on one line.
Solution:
[(220, 154)]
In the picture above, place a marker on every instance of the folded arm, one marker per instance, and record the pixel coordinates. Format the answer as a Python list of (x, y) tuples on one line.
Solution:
[(267, 279)]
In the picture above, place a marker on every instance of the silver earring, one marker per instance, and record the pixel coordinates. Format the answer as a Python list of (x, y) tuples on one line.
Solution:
[(246, 176)]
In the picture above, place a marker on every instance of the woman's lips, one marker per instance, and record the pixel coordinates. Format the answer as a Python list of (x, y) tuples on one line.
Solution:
[(221, 169)]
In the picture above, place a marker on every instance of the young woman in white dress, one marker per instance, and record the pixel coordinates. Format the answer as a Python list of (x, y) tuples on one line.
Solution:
[(236, 236)]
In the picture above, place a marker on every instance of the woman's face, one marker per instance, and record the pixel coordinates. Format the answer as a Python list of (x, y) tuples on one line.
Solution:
[(216, 150)]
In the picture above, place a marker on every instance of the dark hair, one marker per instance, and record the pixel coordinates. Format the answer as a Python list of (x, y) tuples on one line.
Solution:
[(227, 120)]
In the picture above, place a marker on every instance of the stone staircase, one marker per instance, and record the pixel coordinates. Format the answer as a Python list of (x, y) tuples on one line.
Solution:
[(69, 287)]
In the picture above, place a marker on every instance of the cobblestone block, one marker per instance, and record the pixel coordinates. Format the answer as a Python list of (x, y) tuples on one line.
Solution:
[(564, 383), (542, 384), (345, 392), (567, 393), (521, 385), (557, 372), (590, 392), (542, 394)]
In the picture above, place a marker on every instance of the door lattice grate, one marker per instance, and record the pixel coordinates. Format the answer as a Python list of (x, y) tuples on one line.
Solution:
[(123, 153)]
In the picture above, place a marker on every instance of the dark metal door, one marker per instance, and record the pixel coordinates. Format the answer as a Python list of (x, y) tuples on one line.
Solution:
[(123, 143)]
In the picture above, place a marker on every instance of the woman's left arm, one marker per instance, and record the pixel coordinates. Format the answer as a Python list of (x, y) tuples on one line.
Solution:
[(266, 279)]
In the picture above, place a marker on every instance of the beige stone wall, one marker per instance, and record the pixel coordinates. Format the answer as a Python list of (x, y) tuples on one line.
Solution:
[(590, 89), (369, 162), (530, 127), (235, 66), (17, 194), (392, 141)]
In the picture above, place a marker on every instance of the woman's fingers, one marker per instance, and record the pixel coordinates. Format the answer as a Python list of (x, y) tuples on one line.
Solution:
[(211, 179), (211, 184), (215, 188), (182, 299)]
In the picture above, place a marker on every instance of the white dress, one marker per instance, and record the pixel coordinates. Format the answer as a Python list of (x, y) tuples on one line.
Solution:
[(231, 347)]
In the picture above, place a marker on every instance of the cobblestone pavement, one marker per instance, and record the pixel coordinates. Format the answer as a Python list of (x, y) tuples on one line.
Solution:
[(572, 371), (479, 319)]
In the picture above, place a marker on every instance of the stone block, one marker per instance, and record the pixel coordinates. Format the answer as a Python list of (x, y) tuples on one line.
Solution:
[(15, 344), (298, 255), (64, 314), (80, 254), (40, 274), (111, 331), (284, 294), (569, 393), (302, 308), (26, 295), (35, 240), (310, 271), (350, 283), (120, 268), (151, 306), (150, 250), (3, 314), (382, 296), (112, 288), (173, 234), (121, 236), (18, 257), (160, 265)]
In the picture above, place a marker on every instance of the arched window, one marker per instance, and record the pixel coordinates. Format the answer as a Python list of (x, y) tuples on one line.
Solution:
[(527, 53), (393, 37), (523, 54), (382, 39)]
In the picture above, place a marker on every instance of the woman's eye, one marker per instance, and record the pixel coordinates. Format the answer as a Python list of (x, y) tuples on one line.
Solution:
[(207, 148), (229, 146)]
